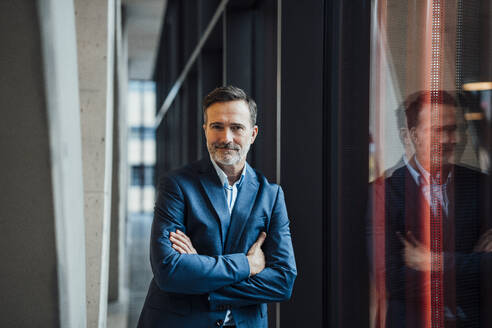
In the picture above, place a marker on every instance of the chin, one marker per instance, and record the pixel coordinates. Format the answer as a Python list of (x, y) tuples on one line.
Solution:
[(449, 160), (226, 160)]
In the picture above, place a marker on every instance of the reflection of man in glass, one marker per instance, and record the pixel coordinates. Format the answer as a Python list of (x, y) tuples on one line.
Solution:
[(403, 133), (433, 220)]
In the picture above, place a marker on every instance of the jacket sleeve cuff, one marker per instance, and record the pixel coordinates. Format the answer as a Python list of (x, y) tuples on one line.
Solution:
[(216, 304), (242, 269)]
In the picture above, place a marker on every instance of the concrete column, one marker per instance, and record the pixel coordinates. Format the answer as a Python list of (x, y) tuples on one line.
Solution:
[(120, 170), (41, 209), (95, 38)]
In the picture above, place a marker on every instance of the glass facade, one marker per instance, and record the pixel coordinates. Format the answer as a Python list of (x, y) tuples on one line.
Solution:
[(141, 147), (429, 216)]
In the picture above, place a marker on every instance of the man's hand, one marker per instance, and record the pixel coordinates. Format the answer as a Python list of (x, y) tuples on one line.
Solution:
[(182, 242), (485, 242), (416, 255), (256, 258)]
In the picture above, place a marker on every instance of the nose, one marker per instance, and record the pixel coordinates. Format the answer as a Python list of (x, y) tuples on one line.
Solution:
[(226, 135), (450, 137)]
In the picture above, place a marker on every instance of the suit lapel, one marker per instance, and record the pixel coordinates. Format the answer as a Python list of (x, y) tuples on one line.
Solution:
[(215, 193), (242, 209)]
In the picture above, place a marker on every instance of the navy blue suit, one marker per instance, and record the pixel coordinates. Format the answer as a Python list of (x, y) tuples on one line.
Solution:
[(462, 228), (196, 290)]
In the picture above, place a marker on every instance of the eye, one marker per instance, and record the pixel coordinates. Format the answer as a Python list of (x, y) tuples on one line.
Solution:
[(216, 126), (237, 128), (453, 128)]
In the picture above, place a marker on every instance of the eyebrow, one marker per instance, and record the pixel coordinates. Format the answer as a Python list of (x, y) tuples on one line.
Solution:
[(232, 124), (446, 127)]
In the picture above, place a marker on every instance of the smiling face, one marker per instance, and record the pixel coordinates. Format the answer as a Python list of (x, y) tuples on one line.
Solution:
[(229, 132)]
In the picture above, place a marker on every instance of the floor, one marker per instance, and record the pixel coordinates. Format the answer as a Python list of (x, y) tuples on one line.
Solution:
[(126, 312)]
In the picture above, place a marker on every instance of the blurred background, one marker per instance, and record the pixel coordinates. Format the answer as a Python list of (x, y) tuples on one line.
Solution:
[(100, 98)]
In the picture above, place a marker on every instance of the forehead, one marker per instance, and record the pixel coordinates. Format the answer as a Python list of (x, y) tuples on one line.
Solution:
[(236, 111), (447, 115)]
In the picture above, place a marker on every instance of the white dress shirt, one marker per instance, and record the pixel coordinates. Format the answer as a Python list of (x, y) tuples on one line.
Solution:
[(431, 188), (231, 196)]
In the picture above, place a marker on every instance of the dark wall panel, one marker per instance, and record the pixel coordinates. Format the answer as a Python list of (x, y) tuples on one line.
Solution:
[(251, 64), (264, 86), (180, 136), (347, 49), (239, 48), (302, 154), (323, 148)]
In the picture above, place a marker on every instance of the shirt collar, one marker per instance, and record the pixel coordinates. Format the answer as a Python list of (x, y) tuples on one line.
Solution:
[(415, 175), (223, 176), (423, 172)]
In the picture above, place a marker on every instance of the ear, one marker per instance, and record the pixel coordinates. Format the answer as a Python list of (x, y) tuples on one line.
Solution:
[(254, 133), (414, 136), (405, 136)]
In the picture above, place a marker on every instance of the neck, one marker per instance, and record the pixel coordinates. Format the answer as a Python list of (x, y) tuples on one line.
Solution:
[(444, 168), (233, 172)]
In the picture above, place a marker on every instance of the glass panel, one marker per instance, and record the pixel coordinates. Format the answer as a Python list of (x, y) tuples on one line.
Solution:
[(141, 148), (141, 192), (430, 125)]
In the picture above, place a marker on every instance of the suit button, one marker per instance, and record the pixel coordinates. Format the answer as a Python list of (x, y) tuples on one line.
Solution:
[(219, 322)]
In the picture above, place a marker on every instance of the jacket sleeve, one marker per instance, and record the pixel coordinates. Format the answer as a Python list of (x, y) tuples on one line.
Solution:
[(186, 273), (275, 282)]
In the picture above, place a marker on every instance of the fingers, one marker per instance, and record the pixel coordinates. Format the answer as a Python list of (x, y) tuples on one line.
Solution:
[(180, 238), (485, 242), (255, 256), (402, 239), (411, 238), (179, 249), (415, 254), (183, 235), (408, 240), (261, 239), (182, 242), (187, 240), (488, 233), (258, 243)]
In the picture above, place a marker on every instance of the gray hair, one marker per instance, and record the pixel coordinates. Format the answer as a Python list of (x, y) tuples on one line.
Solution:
[(230, 93)]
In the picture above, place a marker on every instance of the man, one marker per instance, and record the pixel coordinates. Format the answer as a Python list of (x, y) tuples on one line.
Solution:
[(220, 244), (434, 217), (404, 135)]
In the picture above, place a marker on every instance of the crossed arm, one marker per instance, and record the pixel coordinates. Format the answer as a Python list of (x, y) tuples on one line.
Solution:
[(232, 279), (418, 257), (255, 256)]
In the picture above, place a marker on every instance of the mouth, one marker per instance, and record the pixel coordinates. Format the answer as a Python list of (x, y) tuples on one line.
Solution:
[(448, 149), (226, 148)]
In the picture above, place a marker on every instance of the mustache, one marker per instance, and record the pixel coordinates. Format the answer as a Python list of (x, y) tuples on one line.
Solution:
[(448, 147), (229, 145)]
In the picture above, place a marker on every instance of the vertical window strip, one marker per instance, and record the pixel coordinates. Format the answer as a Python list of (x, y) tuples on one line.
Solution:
[(437, 308)]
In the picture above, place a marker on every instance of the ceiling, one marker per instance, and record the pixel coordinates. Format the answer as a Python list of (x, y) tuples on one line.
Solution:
[(143, 21)]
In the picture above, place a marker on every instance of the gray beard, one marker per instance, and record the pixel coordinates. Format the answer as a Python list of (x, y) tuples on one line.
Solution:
[(234, 156)]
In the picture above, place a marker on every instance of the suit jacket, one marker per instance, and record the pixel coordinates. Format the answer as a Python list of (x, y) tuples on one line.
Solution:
[(196, 290), (389, 172), (461, 229)]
